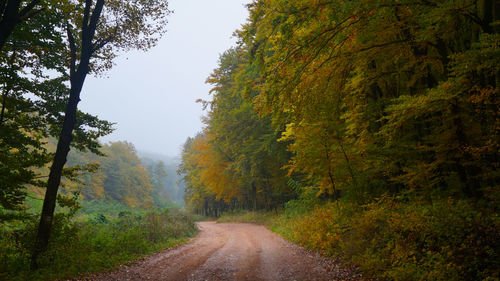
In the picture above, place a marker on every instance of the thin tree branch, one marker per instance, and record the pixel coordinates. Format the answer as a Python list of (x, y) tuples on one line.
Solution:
[(102, 42), (32, 14), (28, 8), (296, 50)]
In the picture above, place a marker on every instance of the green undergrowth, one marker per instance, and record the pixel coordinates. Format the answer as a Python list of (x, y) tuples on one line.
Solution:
[(396, 238), (198, 217), (100, 242), (265, 218)]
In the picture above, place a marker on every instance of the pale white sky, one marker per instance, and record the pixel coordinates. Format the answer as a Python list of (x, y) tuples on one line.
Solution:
[(151, 96)]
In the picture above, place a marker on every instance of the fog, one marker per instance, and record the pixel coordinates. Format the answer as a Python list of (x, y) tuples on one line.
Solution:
[(151, 95)]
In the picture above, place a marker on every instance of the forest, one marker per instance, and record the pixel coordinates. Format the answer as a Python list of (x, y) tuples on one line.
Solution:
[(373, 123), (63, 214), (121, 175), (367, 131)]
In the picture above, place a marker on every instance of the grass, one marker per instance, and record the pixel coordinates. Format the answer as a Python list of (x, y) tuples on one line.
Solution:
[(80, 247)]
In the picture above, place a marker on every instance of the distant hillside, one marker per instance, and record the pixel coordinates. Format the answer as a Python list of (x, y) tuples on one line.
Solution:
[(124, 175), (121, 176)]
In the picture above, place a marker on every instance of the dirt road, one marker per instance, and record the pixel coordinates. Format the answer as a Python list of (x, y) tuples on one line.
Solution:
[(233, 251)]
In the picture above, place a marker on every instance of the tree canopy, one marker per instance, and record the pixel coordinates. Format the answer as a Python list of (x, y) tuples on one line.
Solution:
[(368, 97)]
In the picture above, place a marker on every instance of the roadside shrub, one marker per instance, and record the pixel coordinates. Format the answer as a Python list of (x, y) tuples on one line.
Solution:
[(444, 240)]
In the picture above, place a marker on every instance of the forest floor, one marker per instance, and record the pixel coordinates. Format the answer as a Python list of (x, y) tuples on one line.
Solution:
[(233, 251)]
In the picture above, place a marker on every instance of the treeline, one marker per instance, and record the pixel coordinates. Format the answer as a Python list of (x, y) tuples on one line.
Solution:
[(121, 176), (352, 99), (115, 175)]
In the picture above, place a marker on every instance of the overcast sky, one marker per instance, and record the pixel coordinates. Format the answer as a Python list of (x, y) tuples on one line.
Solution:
[(151, 95)]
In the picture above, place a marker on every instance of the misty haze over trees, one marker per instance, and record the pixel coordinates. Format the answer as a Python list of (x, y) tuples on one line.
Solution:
[(366, 130), (163, 170), (121, 176)]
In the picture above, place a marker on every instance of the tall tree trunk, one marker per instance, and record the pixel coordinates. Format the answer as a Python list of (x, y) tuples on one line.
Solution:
[(254, 195), (77, 78), (471, 186), (487, 15), (330, 172), (63, 148)]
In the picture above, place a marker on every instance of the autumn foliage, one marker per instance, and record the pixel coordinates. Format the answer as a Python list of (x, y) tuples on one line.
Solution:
[(379, 118)]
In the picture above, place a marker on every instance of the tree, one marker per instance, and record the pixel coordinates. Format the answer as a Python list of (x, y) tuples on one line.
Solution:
[(158, 174), (103, 29), (198, 195), (370, 97), (32, 103), (12, 14), (120, 176), (20, 144)]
